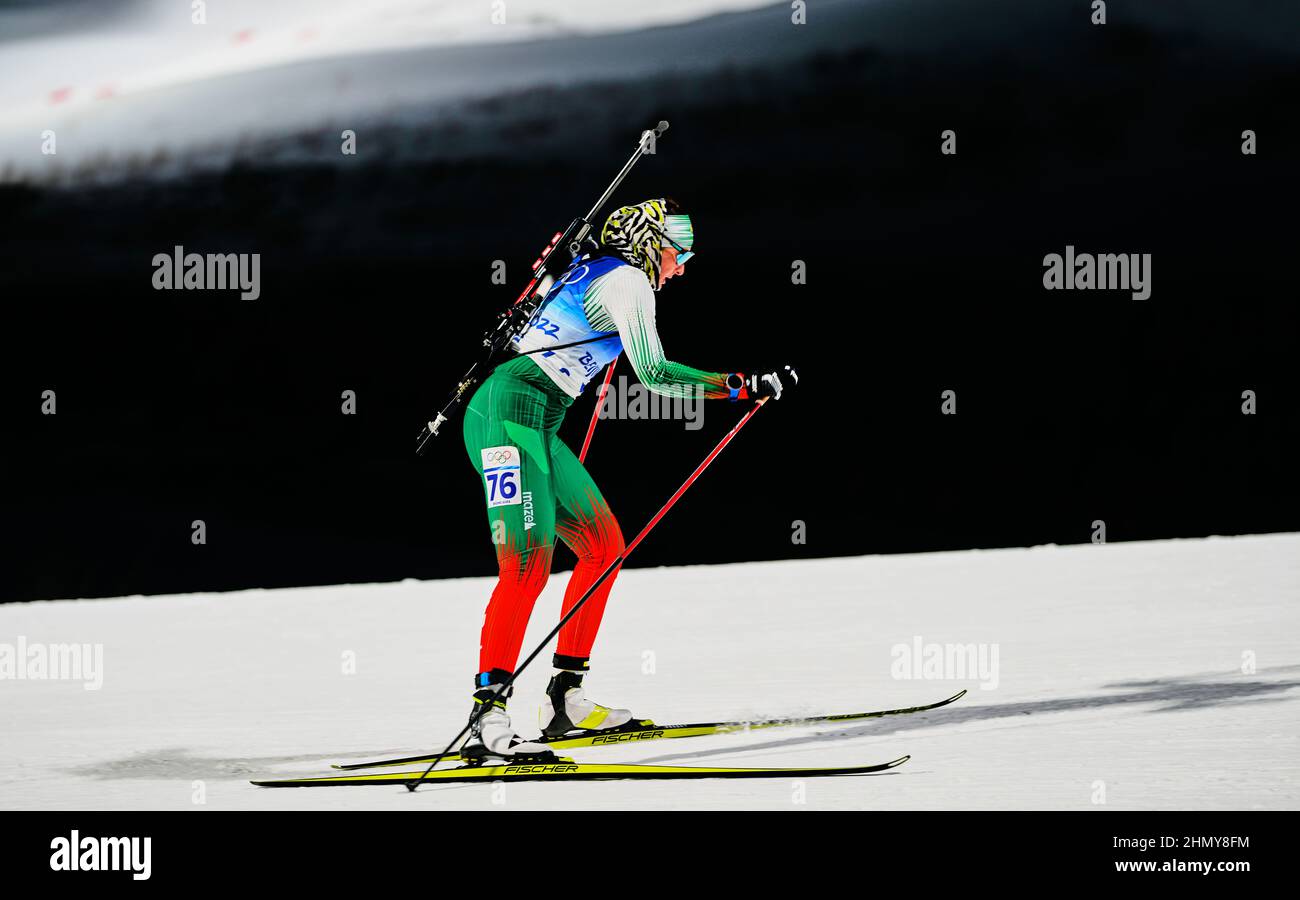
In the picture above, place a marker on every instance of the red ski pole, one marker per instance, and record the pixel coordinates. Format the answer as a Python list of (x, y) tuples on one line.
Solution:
[(613, 567), (595, 413)]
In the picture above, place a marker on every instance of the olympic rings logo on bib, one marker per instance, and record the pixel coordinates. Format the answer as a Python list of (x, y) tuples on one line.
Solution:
[(577, 273)]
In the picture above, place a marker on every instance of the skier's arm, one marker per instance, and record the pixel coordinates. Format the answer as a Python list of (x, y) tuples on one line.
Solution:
[(630, 303)]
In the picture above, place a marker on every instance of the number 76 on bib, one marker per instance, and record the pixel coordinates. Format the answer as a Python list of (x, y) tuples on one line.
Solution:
[(501, 475)]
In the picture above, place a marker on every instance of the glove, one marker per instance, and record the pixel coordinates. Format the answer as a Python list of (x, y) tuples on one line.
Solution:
[(763, 384)]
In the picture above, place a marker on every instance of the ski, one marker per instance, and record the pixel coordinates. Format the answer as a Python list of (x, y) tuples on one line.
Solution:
[(567, 770), (644, 730)]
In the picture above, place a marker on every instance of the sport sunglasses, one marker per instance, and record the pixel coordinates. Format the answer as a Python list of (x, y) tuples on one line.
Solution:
[(683, 255)]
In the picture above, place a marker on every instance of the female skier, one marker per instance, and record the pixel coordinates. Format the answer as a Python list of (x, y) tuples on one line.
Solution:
[(536, 488)]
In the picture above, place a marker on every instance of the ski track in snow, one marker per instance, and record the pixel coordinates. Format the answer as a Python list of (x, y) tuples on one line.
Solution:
[(1119, 664)]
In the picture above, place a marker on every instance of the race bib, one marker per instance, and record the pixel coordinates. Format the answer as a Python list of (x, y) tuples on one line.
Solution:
[(501, 475)]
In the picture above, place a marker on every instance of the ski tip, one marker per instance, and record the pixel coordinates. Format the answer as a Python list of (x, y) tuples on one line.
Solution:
[(898, 762), (958, 695)]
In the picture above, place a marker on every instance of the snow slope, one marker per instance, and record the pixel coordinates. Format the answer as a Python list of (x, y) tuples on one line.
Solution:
[(137, 89), (1120, 668), (150, 81)]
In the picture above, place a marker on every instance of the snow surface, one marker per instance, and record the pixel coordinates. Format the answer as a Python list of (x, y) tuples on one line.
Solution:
[(1120, 664)]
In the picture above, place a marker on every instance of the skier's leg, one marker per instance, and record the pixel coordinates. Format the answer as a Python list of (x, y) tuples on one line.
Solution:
[(586, 524), (508, 448)]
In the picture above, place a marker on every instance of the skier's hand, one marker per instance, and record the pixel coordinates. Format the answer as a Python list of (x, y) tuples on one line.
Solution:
[(771, 384)]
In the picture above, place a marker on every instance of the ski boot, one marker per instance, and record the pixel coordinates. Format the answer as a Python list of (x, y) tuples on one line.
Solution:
[(569, 713), (492, 740)]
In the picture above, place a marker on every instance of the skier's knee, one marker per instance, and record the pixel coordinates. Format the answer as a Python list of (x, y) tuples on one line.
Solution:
[(530, 567), (611, 545)]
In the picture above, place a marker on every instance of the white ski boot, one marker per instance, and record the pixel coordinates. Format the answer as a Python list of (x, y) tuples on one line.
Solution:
[(569, 711), (492, 739)]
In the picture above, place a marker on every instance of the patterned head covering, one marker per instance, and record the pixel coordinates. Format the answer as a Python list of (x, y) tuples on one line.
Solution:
[(636, 234)]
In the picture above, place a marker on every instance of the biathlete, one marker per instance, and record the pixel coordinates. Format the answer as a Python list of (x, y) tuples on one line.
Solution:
[(535, 486)]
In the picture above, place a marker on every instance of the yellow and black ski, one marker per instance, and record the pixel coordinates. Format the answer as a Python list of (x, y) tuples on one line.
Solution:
[(567, 770), (645, 730)]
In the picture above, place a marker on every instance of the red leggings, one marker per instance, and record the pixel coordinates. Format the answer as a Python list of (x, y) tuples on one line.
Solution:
[(597, 541)]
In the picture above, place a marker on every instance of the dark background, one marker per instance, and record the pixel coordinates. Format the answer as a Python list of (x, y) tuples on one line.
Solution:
[(924, 274)]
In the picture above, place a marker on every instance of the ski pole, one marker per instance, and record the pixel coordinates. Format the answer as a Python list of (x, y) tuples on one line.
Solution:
[(613, 567), (595, 414)]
